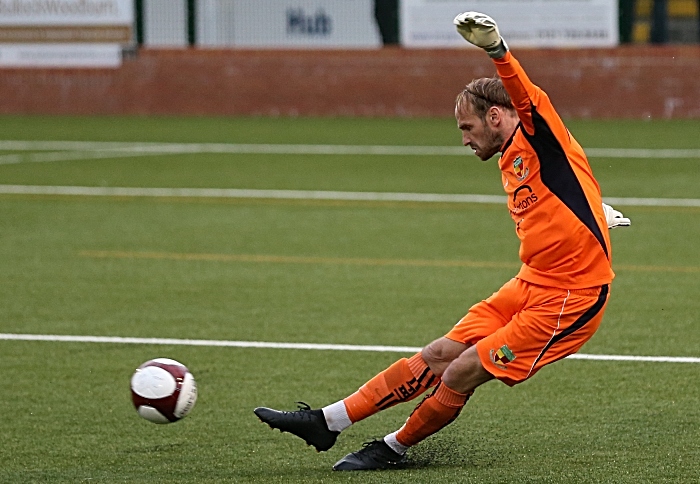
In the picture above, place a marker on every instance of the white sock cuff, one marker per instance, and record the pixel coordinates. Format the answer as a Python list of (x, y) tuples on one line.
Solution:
[(395, 445), (336, 416)]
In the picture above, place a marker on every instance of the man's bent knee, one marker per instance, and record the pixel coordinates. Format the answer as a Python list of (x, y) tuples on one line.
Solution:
[(466, 372), (441, 352)]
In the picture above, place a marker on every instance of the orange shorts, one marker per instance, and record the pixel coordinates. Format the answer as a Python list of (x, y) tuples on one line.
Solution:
[(523, 327)]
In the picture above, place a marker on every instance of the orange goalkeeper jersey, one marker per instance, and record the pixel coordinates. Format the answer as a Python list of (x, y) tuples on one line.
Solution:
[(553, 198)]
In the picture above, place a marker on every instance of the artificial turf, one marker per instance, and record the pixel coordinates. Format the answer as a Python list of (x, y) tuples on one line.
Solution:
[(343, 272)]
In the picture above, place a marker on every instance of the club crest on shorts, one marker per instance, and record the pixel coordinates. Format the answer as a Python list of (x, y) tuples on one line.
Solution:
[(520, 171), (502, 356)]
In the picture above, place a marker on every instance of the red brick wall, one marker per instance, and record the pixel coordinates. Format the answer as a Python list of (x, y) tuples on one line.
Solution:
[(631, 82)]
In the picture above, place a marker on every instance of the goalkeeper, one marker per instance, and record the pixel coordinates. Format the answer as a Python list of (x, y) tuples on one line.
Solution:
[(546, 312)]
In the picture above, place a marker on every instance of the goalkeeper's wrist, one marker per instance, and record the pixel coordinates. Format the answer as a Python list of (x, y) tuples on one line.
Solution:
[(498, 51)]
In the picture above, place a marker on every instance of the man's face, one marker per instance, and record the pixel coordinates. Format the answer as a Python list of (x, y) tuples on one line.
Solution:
[(477, 133)]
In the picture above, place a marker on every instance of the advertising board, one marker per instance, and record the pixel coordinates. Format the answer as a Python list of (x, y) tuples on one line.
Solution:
[(288, 24), (523, 23), (64, 33)]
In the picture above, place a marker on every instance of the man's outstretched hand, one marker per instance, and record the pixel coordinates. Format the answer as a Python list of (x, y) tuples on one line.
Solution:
[(615, 218), (481, 30)]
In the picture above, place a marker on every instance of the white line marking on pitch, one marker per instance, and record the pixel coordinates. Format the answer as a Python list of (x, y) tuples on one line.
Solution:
[(294, 149), (307, 195), (297, 346), (44, 157)]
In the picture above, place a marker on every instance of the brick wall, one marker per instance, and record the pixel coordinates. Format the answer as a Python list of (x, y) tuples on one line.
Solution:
[(630, 82)]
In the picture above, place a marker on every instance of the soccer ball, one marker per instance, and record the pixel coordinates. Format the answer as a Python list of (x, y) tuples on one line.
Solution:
[(163, 390)]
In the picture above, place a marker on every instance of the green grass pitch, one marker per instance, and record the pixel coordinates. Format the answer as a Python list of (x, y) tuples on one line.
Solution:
[(332, 272)]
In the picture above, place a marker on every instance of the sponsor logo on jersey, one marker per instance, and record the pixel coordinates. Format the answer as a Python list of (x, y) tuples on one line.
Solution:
[(521, 171), (502, 356), (520, 203)]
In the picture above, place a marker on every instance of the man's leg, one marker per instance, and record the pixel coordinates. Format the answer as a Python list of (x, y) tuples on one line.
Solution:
[(405, 380), (440, 408), (555, 324), (558, 323), (435, 412)]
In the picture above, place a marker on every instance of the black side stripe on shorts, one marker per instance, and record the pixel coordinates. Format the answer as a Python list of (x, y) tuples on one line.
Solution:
[(580, 322)]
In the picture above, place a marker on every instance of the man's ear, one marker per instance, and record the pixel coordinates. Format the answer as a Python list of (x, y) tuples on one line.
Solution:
[(493, 116)]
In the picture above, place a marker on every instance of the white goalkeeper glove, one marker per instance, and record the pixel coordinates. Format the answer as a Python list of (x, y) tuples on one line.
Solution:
[(482, 31), (615, 218)]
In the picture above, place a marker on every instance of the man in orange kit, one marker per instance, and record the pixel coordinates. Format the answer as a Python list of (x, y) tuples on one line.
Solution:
[(546, 312)]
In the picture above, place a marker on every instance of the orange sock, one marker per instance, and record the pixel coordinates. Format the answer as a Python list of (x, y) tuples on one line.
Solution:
[(402, 381), (435, 412)]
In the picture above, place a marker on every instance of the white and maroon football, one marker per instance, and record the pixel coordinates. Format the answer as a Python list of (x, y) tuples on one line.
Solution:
[(163, 390)]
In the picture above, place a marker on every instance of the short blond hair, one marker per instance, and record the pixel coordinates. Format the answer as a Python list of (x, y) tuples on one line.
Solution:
[(482, 94)]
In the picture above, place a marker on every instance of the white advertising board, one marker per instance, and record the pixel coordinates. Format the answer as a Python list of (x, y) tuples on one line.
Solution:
[(288, 24), (60, 55), (523, 23), (66, 12), (64, 33)]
